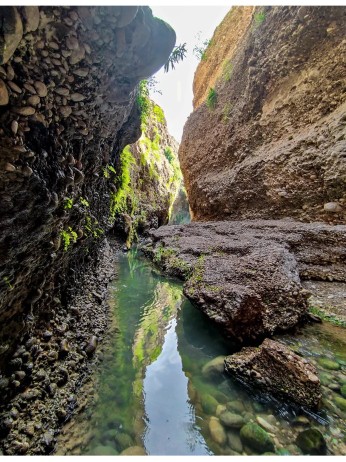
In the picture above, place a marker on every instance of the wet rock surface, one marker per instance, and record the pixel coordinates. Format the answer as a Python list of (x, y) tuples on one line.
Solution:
[(246, 276), (276, 369), (42, 388)]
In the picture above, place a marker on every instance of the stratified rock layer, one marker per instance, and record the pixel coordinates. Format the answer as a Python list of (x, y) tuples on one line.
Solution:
[(275, 368), (272, 143), (68, 87), (246, 276)]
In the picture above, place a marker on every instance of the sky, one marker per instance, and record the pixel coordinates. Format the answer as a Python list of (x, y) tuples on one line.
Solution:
[(193, 25)]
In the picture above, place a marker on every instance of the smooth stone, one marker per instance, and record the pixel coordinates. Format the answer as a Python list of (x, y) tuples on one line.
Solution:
[(217, 432), (266, 425), (340, 402), (257, 438), (283, 452), (65, 111), (14, 87), (124, 440), (209, 404), (234, 441), (220, 409), (134, 451), (329, 364), (214, 367), (301, 420), (104, 451), (228, 419), (33, 100), (4, 98), (332, 207), (25, 111), (311, 442), (235, 406), (76, 97), (62, 91), (41, 89), (72, 43)]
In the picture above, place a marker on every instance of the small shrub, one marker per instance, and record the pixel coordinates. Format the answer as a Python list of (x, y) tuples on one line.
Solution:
[(211, 98), (259, 18)]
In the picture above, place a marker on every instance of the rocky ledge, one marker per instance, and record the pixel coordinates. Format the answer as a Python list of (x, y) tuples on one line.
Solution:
[(275, 368), (246, 275)]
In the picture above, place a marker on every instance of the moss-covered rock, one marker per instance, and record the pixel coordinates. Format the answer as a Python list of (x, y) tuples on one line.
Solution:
[(340, 402), (329, 364), (104, 451), (258, 439), (343, 390), (283, 452), (134, 451), (209, 404), (311, 442), (217, 431), (228, 419)]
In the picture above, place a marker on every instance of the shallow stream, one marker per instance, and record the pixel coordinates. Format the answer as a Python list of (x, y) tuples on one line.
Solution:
[(153, 397)]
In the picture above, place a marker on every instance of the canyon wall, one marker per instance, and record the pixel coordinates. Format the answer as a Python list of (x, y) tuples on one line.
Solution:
[(269, 139), (68, 107)]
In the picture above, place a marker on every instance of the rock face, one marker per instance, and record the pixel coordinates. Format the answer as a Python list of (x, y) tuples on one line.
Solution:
[(278, 370), (68, 93), (150, 174), (246, 276), (272, 143)]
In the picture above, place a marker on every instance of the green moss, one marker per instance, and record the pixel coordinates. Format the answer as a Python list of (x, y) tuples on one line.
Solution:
[(68, 203), (143, 102), (68, 236), (159, 115), (227, 70), (84, 202), (257, 438), (259, 18), (332, 318)]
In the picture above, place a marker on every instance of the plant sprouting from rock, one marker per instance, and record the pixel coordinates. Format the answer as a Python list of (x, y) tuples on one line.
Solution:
[(211, 99), (200, 49), (177, 55)]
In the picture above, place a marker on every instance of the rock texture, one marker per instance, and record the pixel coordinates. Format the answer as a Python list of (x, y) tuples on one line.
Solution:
[(246, 276), (68, 87), (272, 142), (151, 175), (276, 369)]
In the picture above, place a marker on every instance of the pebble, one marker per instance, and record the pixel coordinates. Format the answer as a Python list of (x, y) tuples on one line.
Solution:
[(41, 89), (27, 171), (76, 97), (332, 207), (29, 88), (91, 346), (9, 167), (62, 91), (14, 127), (25, 111), (228, 419), (34, 100), (81, 72), (10, 72), (134, 451), (14, 87), (266, 425), (4, 98), (72, 43), (65, 111)]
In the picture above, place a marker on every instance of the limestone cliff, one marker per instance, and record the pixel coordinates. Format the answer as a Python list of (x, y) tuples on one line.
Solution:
[(68, 89), (150, 173), (269, 140)]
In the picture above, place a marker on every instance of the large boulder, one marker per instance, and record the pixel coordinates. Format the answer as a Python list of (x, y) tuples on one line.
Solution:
[(275, 368)]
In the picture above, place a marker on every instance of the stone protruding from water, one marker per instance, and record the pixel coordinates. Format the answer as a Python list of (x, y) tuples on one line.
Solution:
[(275, 368)]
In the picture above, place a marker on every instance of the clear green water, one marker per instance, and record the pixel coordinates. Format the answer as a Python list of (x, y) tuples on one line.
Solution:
[(153, 394)]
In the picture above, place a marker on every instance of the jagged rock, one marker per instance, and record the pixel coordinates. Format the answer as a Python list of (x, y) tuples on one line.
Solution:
[(245, 275), (275, 368), (264, 151), (11, 32), (31, 16), (3, 93)]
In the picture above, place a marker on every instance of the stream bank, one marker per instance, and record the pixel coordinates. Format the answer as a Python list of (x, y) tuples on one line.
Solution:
[(41, 389)]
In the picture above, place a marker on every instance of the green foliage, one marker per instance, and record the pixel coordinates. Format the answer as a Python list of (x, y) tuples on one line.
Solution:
[(259, 17), (200, 50), (159, 115), (92, 228), (162, 253), (211, 99), (178, 54), (169, 154), (68, 203), (107, 169), (7, 282), (68, 236), (84, 202), (227, 70), (143, 101), (332, 318), (124, 197)]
